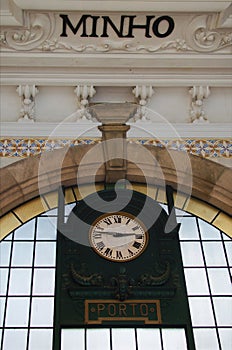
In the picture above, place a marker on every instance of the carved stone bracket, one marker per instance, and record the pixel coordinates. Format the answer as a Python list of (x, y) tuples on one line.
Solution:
[(198, 94), (83, 93), (142, 93), (27, 94)]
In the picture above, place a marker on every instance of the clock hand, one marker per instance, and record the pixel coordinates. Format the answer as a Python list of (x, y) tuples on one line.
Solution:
[(116, 234)]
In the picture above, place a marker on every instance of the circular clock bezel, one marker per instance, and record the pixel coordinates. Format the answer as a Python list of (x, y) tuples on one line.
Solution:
[(129, 216)]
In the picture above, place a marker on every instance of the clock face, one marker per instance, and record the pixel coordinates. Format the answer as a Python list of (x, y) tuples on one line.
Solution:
[(118, 237)]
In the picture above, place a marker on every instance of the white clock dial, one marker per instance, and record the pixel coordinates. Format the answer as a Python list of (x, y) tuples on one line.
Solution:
[(118, 237)]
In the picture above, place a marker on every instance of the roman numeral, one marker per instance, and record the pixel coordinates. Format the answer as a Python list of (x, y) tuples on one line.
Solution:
[(107, 221), (108, 252), (117, 219), (136, 245), (139, 236), (97, 235), (128, 221), (119, 254), (130, 252), (135, 228), (100, 245)]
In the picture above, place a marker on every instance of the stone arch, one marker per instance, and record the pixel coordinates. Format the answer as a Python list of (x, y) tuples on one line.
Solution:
[(28, 178)]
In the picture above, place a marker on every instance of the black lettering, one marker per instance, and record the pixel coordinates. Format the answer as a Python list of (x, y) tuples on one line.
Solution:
[(94, 27), (108, 252), (136, 245), (130, 252), (107, 221), (119, 254), (139, 236), (133, 26), (67, 22), (119, 32), (97, 235), (117, 219), (100, 245), (135, 228), (128, 221), (156, 24)]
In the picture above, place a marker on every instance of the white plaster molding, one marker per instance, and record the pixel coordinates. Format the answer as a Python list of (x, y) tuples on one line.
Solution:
[(122, 5), (202, 34), (198, 94), (142, 94), (170, 77), (27, 94), (84, 93), (42, 34), (39, 28), (140, 129), (10, 14), (225, 18)]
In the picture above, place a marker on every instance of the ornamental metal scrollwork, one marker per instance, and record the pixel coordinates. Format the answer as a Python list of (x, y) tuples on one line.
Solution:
[(94, 279), (156, 280)]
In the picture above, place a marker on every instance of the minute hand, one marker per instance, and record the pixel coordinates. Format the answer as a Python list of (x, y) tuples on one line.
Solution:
[(116, 234)]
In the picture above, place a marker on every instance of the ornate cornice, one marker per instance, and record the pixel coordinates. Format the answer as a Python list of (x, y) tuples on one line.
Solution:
[(41, 33)]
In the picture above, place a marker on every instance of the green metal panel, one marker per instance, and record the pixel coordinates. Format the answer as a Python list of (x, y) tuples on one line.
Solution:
[(146, 291)]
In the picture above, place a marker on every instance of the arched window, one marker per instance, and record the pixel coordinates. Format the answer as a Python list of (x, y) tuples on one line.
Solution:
[(28, 259)]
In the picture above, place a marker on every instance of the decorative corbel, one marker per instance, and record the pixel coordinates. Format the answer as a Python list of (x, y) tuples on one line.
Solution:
[(198, 94), (142, 93), (83, 93), (27, 94)]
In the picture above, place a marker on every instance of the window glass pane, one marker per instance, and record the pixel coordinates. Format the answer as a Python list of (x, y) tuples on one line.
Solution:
[(214, 253), (229, 251), (148, 339), (220, 282), (72, 339), (98, 339), (201, 311), (15, 339), (45, 254), (8, 237), (40, 339), (226, 237), (22, 254), (123, 339), (20, 282), (42, 312), (26, 231), (3, 281), (44, 282), (206, 339), (191, 254), (5, 253), (188, 228), (174, 339), (225, 335), (181, 213), (46, 228), (223, 310), (2, 309), (196, 281), (68, 208), (19, 318), (208, 231), (51, 212)]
